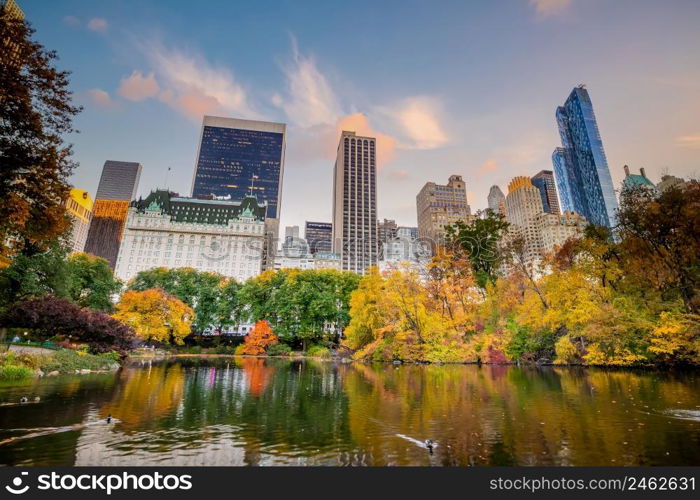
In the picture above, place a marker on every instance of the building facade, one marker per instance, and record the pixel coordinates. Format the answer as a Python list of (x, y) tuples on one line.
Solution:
[(319, 236), (585, 180), (544, 181), (79, 209), (540, 232), (523, 206), (386, 230), (634, 181), (670, 182), (355, 203), (236, 157), (497, 200), (439, 206), (118, 185), (555, 229), (166, 230)]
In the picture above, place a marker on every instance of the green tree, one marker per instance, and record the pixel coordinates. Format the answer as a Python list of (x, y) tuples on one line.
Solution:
[(200, 290), (91, 282), (478, 241), (35, 274), (35, 113)]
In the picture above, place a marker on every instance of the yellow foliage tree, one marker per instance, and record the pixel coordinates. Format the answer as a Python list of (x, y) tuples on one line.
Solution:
[(155, 315)]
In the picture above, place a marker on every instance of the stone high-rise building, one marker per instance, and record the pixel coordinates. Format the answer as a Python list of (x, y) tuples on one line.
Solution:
[(117, 188), (539, 231), (79, 209), (355, 202), (497, 200), (440, 206)]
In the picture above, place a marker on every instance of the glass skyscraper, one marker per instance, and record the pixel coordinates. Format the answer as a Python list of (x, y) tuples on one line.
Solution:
[(235, 154), (544, 181), (580, 166)]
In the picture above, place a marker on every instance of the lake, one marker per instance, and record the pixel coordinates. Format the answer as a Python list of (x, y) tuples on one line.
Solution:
[(250, 411)]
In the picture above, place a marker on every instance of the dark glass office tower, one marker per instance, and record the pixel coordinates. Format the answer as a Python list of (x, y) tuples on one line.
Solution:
[(319, 236), (580, 165), (235, 154), (118, 185), (544, 181)]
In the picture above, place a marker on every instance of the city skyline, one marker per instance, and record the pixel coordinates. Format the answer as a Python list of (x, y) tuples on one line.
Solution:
[(463, 113)]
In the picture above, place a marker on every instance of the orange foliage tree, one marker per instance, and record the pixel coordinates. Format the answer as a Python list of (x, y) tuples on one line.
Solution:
[(259, 338)]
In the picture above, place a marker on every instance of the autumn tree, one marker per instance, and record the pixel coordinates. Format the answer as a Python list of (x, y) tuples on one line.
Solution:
[(259, 339), (36, 112), (661, 237), (212, 297), (155, 315)]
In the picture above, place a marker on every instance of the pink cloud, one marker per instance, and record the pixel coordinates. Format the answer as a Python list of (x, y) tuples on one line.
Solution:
[(101, 98), (137, 87), (689, 141), (398, 175), (547, 8), (487, 167)]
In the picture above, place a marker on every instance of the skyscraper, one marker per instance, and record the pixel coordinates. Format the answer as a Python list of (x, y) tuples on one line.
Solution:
[(544, 181), (496, 200), (580, 165), (117, 187), (440, 206), (236, 156), (355, 202), (319, 236)]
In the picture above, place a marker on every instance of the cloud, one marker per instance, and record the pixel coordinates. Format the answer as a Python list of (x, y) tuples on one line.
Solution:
[(359, 123), (193, 86), (418, 122), (689, 141), (547, 8), (71, 21), (136, 87), (98, 24), (398, 174), (309, 99), (101, 99), (487, 167)]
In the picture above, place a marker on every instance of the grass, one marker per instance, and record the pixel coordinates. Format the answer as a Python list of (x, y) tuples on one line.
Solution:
[(15, 365)]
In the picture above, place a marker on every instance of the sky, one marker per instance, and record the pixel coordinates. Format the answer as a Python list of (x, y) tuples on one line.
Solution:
[(447, 87)]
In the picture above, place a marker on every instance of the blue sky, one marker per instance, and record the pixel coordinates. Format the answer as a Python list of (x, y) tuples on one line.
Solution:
[(464, 87)]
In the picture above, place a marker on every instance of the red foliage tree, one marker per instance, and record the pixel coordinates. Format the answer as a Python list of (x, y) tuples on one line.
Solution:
[(259, 338), (50, 317)]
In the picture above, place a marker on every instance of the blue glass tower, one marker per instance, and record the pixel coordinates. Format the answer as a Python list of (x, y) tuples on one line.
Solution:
[(580, 166), (237, 154)]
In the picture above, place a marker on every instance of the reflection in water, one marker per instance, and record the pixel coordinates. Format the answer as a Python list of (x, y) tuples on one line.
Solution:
[(250, 411)]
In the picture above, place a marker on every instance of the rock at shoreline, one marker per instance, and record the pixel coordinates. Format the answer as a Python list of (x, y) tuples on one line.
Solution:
[(53, 373)]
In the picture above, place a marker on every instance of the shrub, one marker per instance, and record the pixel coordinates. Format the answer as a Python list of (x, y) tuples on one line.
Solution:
[(15, 372), (279, 350), (318, 351), (53, 317), (67, 361), (240, 350), (224, 349)]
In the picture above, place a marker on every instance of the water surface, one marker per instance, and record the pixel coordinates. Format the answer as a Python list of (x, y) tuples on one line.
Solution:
[(225, 411)]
